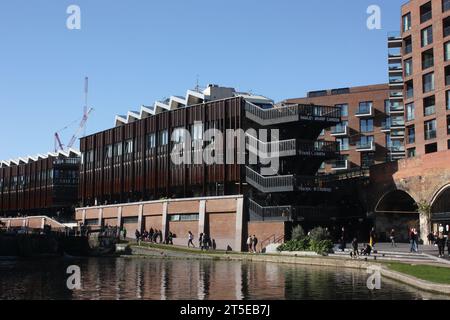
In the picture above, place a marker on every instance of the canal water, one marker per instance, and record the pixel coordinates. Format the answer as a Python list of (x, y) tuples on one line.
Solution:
[(161, 279)]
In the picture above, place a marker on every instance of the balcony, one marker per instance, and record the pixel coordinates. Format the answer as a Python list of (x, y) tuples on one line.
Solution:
[(386, 126), (394, 40), (396, 83), (396, 149), (396, 70), (268, 184), (397, 108), (340, 165), (339, 130), (364, 146), (394, 58), (396, 95), (292, 113), (277, 213), (397, 123), (274, 149), (323, 149), (365, 110), (312, 184), (397, 134)]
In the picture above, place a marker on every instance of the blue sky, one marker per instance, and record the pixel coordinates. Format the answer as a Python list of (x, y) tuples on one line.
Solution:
[(136, 52)]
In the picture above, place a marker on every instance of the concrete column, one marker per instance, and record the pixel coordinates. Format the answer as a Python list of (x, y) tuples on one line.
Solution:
[(424, 223), (100, 216), (119, 217), (42, 223), (83, 217), (239, 224), (140, 216), (164, 225), (202, 216)]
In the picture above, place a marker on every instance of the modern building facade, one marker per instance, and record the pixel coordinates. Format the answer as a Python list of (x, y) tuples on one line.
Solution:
[(41, 185), (365, 135), (425, 54)]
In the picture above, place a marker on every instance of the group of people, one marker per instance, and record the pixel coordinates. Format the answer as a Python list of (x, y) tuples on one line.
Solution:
[(153, 236), (439, 240), (414, 240), (204, 241), (252, 242)]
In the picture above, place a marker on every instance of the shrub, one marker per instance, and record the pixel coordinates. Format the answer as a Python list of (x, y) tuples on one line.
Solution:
[(298, 233), (319, 234), (322, 247), (295, 245)]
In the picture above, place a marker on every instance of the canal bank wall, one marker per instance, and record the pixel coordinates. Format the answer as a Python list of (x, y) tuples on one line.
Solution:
[(308, 260)]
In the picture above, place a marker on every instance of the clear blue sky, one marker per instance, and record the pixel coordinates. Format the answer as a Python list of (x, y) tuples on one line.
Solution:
[(136, 52)]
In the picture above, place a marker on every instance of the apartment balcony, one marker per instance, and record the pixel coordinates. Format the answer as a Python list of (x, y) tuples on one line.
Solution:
[(397, 108), (339, 130), (396, 84), (396, 149), (397, 134), (394, 40), (397, 124), (396, 95), (386, 126), (365, 111), (293, 147), (269, 213), (340, 165), (286, 183), (365, 146), (394, 58), (292, 113), (396, 70)]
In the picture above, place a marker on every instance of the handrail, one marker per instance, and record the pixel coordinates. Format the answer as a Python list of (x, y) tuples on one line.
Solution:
[(270, 183)]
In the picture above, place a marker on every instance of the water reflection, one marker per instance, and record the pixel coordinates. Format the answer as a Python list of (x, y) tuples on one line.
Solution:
[(158, 279)]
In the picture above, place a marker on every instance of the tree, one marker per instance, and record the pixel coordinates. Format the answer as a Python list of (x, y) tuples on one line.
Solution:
[(425, 214)]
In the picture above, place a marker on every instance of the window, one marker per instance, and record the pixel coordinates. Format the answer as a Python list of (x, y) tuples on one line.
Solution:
[(163, 138), (365, 107), (447, 75), (344, 144), (344, 109), (129, 146), (446, 26), (407, 45), (445, 5), (427, 59), (428, 82), (427, 36), (429, 106), (448, 124), (366, 125), (410, 112), (430, 129), (388, 141), (184, 217), (408, 67), (108, 151), (425, 12), (447, 98), (447, 51), (406, 22), (90, 156), (118, 149), (431, 148), (411, 138), (409, 89), (411, 152), (366, 142), (151, 141), (367, 159)]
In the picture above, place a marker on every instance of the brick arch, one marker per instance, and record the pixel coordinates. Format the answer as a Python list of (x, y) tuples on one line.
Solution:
[(438, 193), (390, 192)]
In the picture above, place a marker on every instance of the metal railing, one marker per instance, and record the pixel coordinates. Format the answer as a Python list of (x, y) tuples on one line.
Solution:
[(339, 129), (314, 147), (270, 212), (291, 113), (271, 149), (365, 145), (270, 183), (313, 183), (339, 164), (364, 109)]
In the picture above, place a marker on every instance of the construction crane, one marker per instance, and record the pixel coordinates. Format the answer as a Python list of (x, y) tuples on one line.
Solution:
[(82, 126)]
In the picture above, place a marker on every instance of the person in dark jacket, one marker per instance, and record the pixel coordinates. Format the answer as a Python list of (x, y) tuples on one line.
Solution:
[(441, 244), (138, 235), (355, 252)]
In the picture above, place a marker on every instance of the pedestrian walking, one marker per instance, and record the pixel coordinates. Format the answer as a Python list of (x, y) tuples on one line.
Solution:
[(372, 238), (191, 240), (430, 238), (416, 239), (206, 241), (138, 235), (392, 236), (249, 244), (412, 241), (441, 244), (355, 252), (255, 243), (124, 234)]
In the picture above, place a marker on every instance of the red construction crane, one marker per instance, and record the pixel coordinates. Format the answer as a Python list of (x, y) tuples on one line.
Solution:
[(81, 128)]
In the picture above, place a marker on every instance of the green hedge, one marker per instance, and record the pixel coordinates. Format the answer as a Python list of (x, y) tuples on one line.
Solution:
[(318, 241)]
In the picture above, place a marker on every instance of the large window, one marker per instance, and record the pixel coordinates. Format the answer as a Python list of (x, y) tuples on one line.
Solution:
[(344, 144), (366, 142), (411, 153), (411, 131), (428, 82), (425, 12), (408, 67), (163, 138), (427, 36), (427, 59), (118, 151), (344, 109), (447, 98), (406, 22), (129, 146), (445, 5), (448, 124), (430, 129), (447, 75), (151, 141), (365, 107), (431, 148), (410, 112), (429, 106), (407, 45), (108, 151), (409, 89), (366, 125), (447, 51)]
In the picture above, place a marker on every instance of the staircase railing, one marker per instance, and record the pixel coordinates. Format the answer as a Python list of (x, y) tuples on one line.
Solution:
[(270, 183), (272, 239), (270, 212)]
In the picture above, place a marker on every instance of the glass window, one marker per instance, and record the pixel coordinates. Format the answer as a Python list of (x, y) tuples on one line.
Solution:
[(409, 89), (431, 148), (108, 151), (411, 152), (407, 45), (429, 106), (425, 12), (365, 107), (428, 82), (410, 112), (129, 146), (151, 141), (448, 124), (447, 51), (406, 22), (447, 75), (118, 149), (427, 36), (445, 5), (344, 109), (427, 59), (344, 144), (430, 129), (366, 125), (411, 134), (408, 67), (447, 97), (163, 138)]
